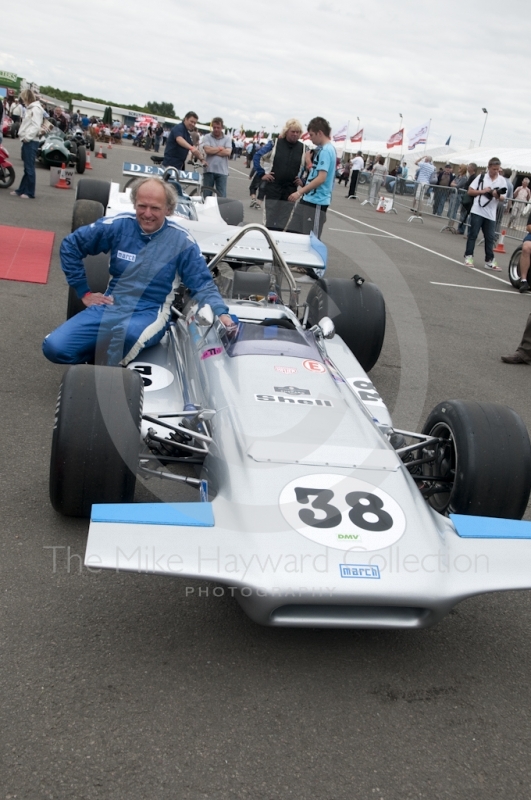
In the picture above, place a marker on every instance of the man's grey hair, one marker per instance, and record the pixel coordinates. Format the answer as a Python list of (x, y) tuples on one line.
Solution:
[(169, 192), (429, 159)]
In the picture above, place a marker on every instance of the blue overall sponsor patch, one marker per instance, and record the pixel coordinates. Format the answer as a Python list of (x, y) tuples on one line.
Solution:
[(359, 571), (126, 256)]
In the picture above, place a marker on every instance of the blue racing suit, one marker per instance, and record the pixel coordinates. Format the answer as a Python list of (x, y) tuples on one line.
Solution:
[(146, 270)]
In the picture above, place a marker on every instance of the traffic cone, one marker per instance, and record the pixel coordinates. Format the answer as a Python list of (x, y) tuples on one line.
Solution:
[(109, 146), (88, 165), (100, 152), (62, 184), (500, 247), (381, 206)]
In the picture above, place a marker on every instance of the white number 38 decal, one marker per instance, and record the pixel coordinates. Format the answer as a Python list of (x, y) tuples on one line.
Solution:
[(342, 512)]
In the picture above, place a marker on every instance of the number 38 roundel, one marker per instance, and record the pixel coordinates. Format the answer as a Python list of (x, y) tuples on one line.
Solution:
[(342, 512)]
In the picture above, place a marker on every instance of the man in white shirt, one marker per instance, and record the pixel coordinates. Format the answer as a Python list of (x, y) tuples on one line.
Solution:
[(356, 165), (487, 190)]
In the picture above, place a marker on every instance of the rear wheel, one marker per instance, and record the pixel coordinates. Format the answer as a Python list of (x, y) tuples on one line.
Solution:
[(358, 313), (7, 177), (85, 213), (483, 460), (96, 267), (96, 438), (231, 210), (514, 267), (93, 189), (81, 160)]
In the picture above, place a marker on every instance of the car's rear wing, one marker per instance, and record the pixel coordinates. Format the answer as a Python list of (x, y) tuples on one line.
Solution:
[(150, 170)]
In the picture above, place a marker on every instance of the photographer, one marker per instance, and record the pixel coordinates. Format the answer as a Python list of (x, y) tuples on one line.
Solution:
[(487, 189)]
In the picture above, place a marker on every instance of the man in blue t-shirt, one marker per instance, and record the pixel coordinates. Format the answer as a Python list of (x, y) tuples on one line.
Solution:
[(317, 191), (180, 143)]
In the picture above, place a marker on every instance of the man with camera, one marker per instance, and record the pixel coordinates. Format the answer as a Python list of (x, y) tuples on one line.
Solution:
[(487, 190)]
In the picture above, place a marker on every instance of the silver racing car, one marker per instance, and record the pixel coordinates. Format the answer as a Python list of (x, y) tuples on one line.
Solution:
[(308, 505)]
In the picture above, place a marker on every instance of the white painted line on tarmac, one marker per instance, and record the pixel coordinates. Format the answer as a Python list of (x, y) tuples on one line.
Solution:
[(420, 246), (246, 174), (480, 288), (362, 233)]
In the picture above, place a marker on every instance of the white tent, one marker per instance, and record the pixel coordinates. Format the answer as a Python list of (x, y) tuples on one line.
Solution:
[(517, 159)]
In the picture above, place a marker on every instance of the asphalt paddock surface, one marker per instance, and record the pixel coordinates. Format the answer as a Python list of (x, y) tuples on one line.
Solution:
[(129, 686)]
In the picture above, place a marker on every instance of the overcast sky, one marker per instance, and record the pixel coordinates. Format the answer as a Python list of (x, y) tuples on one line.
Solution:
[(258, 63)]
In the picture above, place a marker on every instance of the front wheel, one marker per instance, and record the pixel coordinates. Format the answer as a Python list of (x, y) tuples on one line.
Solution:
[(96, 438), (81, 159), (483, 461), (7, 177), (514, 268), (358, 313)]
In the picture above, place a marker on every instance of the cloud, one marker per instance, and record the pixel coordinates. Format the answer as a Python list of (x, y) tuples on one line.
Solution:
[(260, 64)]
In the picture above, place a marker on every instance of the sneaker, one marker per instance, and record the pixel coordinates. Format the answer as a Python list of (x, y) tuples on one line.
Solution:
[(524, 286), (493, 265), (469, 261)]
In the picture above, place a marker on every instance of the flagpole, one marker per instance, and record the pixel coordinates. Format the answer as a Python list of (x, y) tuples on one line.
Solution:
[(427, 136)]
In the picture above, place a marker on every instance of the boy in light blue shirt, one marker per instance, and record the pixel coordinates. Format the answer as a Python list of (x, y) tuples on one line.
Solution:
[(316, 194)]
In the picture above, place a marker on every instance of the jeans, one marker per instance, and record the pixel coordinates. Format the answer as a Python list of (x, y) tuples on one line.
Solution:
[(488, 226), (376, 184), (439, 200), (158, 140), (454, 205), (213, 180), (28, 153)]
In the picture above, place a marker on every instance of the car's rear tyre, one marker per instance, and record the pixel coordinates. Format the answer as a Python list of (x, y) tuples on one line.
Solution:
[(486, 457), (85, 213), (93, 189), (514, 267), (7, 177), (231, 210), (96, 438), (81, 160), (97, 271), (358, 313)]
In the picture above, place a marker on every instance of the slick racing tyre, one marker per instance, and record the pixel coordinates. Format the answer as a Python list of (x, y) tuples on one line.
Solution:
[(484, 460), (231, 210), (97, 270), (514, 267), (96, 267), (96, 438), (358, 313), (93, 189)]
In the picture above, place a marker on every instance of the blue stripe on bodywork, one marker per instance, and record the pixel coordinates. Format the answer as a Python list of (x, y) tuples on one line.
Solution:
[(469, 527), (193, 514), (319, 247)]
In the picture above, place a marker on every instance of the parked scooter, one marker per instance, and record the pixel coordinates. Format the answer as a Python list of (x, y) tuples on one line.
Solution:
[(7, 172)]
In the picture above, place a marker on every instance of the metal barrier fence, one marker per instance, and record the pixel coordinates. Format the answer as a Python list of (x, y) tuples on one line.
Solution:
[(423, 199)]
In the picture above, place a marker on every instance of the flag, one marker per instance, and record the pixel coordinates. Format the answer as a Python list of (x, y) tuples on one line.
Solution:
[(305, 137), (396, 139), (418, 135), (358, 137), (448, 141), (341, 134)]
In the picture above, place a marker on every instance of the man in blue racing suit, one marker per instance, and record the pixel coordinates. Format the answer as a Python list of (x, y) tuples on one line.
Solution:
[(149, 256)]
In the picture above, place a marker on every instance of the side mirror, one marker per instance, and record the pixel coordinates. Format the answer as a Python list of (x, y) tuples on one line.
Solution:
[(205, 316), (327, 327)]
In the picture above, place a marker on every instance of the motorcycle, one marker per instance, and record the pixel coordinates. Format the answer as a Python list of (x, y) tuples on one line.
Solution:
[(7, 172)]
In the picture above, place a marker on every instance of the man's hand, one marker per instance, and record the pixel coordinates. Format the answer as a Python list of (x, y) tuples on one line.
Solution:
[(269, 177), (298, 182), (228, 322), (97, 299), (294, 197)]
